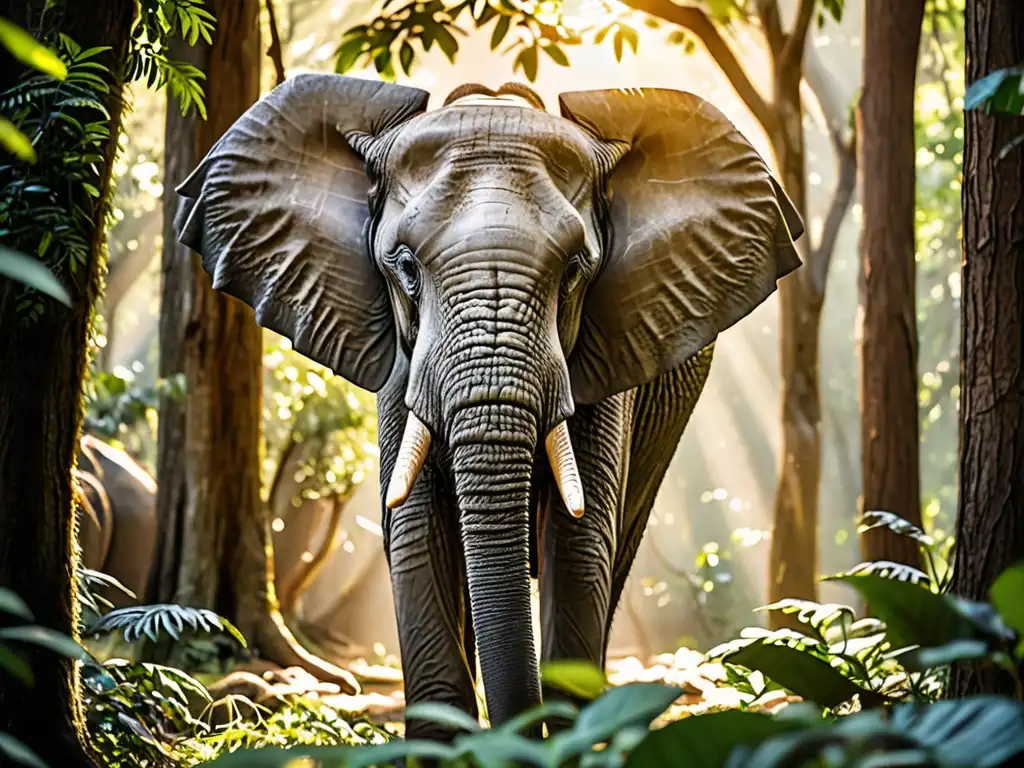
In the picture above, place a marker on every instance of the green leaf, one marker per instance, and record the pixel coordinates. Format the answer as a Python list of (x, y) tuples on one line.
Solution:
[(579, 678), (549, 709), (619, 708), (446, 42), (1007, 595), (500, 30), (348, 54), (16, 142), (980, 731), (706, 740), (406, 56), (46, 638), (917, 616), (527, 59), (30, 53), (383, 754), (557, 54), (15, 666), (11, 602), (18, 752), (921, 659), (798, 671), (816, 616), (1002, 91), (442, 714), (31, 272), (877, 518), (498, 749)]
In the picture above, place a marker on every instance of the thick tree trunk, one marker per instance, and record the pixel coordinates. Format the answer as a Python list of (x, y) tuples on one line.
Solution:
[(990, 530), (793, 559), (889, 421), (42, 365), (209, 479), (215, 549)]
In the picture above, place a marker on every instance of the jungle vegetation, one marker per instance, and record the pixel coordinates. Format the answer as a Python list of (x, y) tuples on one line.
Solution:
[(921, 665)]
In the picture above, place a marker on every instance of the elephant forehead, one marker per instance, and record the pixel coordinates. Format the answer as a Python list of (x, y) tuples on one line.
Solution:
[(493, 135)]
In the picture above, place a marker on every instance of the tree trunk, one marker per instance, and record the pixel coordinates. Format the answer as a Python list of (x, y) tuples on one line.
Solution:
[(990, 529), (889, 422), (215, 546), (793, 559), (42, 365), (209, 480)]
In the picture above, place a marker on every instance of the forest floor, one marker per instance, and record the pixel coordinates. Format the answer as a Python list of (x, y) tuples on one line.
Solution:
[(382, 699)]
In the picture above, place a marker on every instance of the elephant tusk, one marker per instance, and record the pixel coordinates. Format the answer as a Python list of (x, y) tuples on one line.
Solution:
[(411, 455), (567, 474)]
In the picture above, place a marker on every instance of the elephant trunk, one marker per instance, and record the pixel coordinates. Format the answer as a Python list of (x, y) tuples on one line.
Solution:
[(493, 447)]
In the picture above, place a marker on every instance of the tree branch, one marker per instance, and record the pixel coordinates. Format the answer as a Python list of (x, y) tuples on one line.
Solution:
[(274, 51), (842, 198), (796, 42), (698, 22), (771, 26)]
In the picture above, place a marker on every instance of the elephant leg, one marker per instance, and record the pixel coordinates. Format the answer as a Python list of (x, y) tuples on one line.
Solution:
[(424, 556), (660, 413), (576, 568)]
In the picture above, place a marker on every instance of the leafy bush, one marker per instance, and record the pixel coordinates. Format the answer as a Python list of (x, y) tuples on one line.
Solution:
[(306, 401), (156, 715), (869, 687)]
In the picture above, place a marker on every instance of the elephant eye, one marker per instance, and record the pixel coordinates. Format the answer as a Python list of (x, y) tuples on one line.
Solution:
[(407, 271)]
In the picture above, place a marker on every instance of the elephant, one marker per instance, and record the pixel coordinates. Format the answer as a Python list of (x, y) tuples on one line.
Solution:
[(535, 300), (117, 527)]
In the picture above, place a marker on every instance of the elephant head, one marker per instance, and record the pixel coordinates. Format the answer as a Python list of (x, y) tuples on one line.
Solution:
[(524, 262)]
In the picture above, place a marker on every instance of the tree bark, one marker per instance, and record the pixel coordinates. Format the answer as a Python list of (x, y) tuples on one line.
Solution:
[(215, 546), (208, 496), (990, 528), (889, 424), (42, 366), (793, 557)]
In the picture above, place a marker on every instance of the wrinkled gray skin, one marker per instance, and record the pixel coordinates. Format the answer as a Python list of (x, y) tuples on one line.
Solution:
[(470, 264), (117, 532)]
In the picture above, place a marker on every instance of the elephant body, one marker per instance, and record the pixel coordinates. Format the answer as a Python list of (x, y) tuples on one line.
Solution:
[(117, 531), (535, 299)]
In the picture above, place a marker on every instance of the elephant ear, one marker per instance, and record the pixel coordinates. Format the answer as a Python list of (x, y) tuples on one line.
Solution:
[(697, 230), (277, 210)]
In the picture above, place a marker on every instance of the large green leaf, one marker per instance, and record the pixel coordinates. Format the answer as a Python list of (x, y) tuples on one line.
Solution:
[(31, 272), (25, 48), (798, 671), (1007, 595), (817, 617), (977, 731), (1001, 91), (619, 708), (337, 757), (579, 678), (442, 714), (46, 638), (16, 142), (549, 709), (917, 616), (704, 741), (498, 749)]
